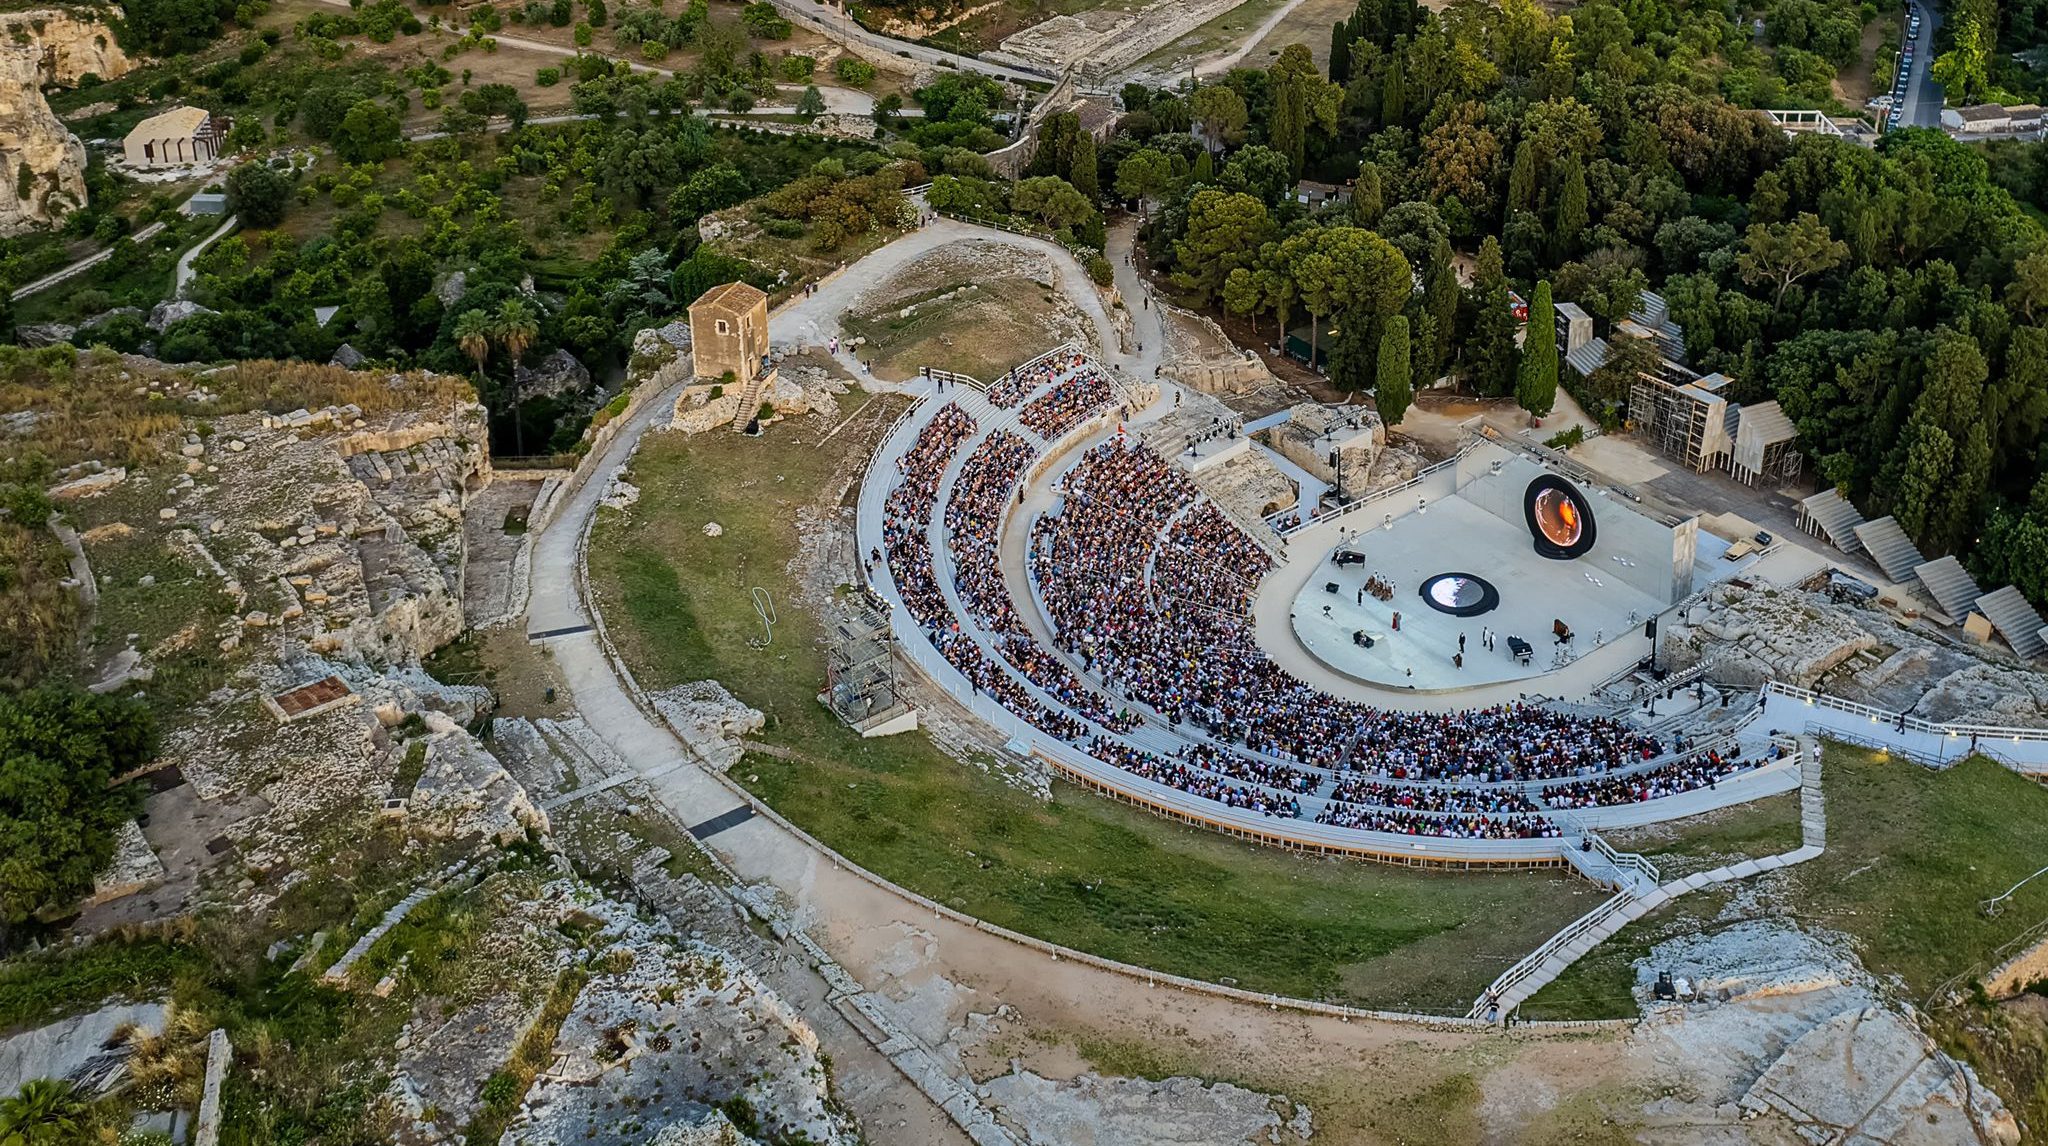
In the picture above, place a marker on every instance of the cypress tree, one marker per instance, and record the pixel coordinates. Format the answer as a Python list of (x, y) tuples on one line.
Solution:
[(1571, 207), (1440, 301), (1393, 93), (1368, 199), (1396, 392), (1522, 179), (1087, 177), (1536, 390), (1340, 52), (1490, 342)]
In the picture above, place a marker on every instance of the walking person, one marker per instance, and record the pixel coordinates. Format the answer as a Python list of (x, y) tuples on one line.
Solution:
[(1461, 644)]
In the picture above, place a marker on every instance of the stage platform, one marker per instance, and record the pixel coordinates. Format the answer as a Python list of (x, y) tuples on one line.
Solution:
[(1603, 597)]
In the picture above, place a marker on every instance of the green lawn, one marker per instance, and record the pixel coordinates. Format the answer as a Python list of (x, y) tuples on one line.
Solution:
[(1911, 853), (1746, 831), (1077, 870)]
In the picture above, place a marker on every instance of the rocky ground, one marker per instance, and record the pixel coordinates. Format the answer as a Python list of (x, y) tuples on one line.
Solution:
[(1856, 650), (1785, 1029), (288, 574)]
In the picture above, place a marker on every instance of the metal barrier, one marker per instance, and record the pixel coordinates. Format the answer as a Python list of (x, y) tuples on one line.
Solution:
[(1939, 745), (1373, 498), (1527, 965)]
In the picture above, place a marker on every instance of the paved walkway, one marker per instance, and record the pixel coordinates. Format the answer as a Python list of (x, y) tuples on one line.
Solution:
[(184, 273), (142, 234)]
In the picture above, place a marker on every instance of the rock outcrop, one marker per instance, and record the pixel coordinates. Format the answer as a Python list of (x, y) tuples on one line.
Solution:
[(42, 164), (1855, 651), (68, 47), (558, 373)]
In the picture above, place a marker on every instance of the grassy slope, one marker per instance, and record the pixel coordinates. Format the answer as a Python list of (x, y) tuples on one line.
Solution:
[(1910, 855), (1077, 870)]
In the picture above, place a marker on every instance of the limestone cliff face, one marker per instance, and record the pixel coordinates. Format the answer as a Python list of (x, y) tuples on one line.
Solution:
[(65, 45), (42, 165)]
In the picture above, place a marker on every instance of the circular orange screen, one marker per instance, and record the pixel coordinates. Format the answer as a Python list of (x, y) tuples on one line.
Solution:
[(1557, 516)]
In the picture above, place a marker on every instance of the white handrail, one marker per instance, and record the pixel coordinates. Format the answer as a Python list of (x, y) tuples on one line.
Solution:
[(1375, 496), (2022, 749), (1528, 964)]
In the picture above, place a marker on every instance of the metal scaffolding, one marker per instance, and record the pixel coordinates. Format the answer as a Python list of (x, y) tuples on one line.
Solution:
[(860, 670)]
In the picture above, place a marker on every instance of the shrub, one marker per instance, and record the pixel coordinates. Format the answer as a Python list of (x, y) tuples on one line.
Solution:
[(855, 71), (548, 77), (1100, 270), (1566, 439), (765, 22)]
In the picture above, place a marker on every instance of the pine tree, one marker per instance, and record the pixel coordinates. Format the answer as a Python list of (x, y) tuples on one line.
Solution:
[(1396, 391), (1536, 389)]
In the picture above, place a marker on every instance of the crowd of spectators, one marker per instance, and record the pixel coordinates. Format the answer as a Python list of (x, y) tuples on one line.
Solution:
[(973, 521), (1172, 633), (1355, 789), (1068, 404), (1018, 384), (1461, 827), (1252, 769), (1702, 770), (924, 463), (1193, 781), (907, 545), (1212, 560)]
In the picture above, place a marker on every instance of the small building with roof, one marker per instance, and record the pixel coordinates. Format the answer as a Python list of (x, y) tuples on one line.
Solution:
[(179, 137)]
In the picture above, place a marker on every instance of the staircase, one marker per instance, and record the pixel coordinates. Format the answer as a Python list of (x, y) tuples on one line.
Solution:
[(1638, 892), (750, 398)]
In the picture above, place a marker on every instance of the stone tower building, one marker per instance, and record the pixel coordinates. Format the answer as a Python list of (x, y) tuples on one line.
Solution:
[(729, 332)]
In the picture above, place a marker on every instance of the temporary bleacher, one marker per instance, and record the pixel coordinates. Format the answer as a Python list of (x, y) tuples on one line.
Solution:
[(1829, 516), (1764, 449), (1889, 546), (2016, 620), (1949, 584)]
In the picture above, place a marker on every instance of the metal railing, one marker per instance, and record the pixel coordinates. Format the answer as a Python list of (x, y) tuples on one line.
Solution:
[(1525, 967), (2024, 749), (1373, 498)]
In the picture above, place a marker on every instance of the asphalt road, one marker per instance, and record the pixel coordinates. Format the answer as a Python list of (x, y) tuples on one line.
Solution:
[(1923, 96)]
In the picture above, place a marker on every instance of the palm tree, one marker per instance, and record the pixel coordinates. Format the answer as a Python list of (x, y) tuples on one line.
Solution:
[(473, 334), (46, 1112), (516, 328)]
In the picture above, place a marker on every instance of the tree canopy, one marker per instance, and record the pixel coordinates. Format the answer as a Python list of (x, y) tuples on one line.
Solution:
[(60, 750)]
